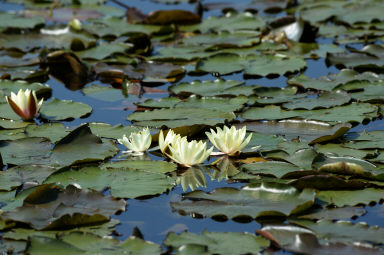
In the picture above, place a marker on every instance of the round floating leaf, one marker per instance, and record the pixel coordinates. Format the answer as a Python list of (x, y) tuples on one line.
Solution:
[(302, 241), (357, 112), (8, 86), (222, 63), (371, 94), (264, 65), (143, 165), (274, 95), (52, 131), (346, 212), (64, 109), (49, 207), (11, 124), (344, 231), (220, 104), (224, 39), (117, 26), (254, 200), (37, 40), (17, 21), (310, 131), (353, 197), (107, 94), (232, 22), (81, 146), (12, 134), (108, 131), (219, 243), (206, 88), (325, 100), (180, 117), (267, 142), (26, 151), (125, 183), (275, 168), (103, 51), (18, 175)]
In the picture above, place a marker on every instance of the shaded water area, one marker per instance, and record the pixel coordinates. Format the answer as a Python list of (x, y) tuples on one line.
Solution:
[(155, 214)]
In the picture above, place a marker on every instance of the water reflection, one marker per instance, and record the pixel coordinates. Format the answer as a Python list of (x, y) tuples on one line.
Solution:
[(192, 178), (223, 169)]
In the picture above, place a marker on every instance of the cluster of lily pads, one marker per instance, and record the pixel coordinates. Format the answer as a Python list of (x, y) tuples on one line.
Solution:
[(307, 172)]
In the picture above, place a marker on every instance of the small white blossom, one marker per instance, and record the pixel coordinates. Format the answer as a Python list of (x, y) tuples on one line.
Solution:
[(170, 137), (137, 141), (187, 153), (24, 104), (229, 141)]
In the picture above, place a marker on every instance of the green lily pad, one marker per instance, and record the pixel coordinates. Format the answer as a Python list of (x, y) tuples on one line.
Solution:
[(219, 243), (344, 231), (254, 200), (142, 165), (254, 65), (324, 100), (224, 39), (117, 27), (64, 109), (179, 117), (358, 112), (310, 131), (103, 51), (334, 81), (125, 183), (8, 86), (108, 131), (81, 146), (371, 94), (52, 131), (107, 94), (18, 175), (82, 243), (371, 57), (16, 21), (37, 40), (303, 241), (367, 140), (26, 151), (67, 208), (275, 95), (181, 53), (266, 141), (205, 88), (12, 134), (232, 22), (275, 168), (351, 197), (342, 213)]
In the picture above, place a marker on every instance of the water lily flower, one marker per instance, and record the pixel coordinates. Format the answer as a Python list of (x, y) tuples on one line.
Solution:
[(138, 141), (24, 104), (170, 137), (229, 141), (187, 153)]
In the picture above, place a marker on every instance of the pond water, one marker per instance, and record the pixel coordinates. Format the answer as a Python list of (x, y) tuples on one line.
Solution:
[(154, 216)]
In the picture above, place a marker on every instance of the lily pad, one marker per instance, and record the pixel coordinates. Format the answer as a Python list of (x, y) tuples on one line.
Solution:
[(125, 183), (18, 175), (81, 146), (345, 231), (8, 86), (254, 200), (324, 100), (16, 21), (142, 165), (219, 243), (358, 112), (67, 208), (179, 117), (205, 88), (26, 151), (108, 131), (64, 109), (275, 168), (310, 131), (52, 131), (351, 197)]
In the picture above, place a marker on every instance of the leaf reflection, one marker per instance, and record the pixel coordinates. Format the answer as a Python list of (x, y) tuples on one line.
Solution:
[(192, 178)]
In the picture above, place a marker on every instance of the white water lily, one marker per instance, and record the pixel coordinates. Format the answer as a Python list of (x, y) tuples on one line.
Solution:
[(25, 104), (137, 141), (229, 141), (169, 138), (187, 153)]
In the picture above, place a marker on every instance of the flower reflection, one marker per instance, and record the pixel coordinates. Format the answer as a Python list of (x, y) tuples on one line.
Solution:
[(224, 169), (192, 178)]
